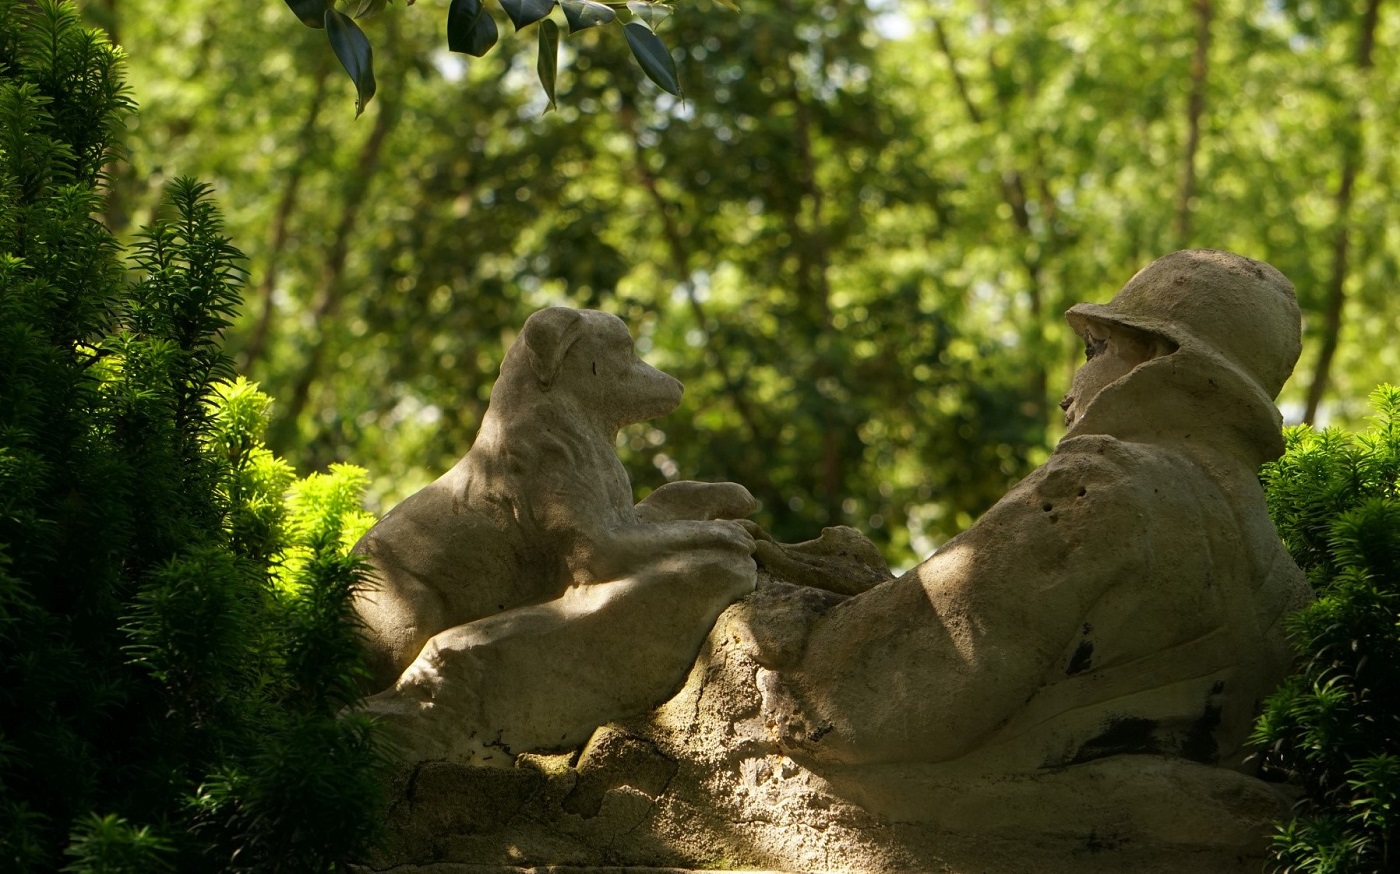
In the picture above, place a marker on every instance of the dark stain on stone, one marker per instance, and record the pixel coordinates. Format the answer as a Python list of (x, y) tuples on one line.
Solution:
[(1096, 844), (410, 790), (1200, 745), (1123, 734), (819, 733), (1081, 661)]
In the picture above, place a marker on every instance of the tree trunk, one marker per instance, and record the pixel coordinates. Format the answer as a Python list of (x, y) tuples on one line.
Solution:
[(328, 292), (1195, 106), (1336, 285), (1013, 192), (262, 298), (815, 284), (666, 211)]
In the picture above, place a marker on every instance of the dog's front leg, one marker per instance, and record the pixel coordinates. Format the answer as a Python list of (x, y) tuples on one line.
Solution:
[(623, 551), (696, 501)]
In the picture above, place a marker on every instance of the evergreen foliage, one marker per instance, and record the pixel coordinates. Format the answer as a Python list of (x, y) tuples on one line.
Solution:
[(1335, 725), (175, 639)]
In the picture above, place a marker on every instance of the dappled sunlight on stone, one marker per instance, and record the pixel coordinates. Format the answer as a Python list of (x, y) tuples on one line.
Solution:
[(1065, 686)]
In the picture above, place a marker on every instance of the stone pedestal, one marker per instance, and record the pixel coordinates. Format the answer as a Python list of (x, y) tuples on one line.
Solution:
[(702, 784)]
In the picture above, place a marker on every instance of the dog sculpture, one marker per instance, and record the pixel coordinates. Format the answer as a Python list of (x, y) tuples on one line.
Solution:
[(541, 502)]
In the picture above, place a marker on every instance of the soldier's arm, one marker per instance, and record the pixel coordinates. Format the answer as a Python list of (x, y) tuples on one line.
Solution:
[(923, 667)]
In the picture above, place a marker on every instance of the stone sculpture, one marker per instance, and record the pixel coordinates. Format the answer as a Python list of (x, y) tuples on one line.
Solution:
[(1066, 686), (521, 600), (1127, 596)]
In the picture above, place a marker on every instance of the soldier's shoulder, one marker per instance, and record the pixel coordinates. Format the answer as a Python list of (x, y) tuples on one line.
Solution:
[(1104, 464)]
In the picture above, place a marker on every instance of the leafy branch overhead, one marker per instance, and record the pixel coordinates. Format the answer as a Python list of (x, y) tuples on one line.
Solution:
[(471, 30)]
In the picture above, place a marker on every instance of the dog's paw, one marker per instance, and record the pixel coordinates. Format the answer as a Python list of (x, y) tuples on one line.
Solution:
[(732, 534)]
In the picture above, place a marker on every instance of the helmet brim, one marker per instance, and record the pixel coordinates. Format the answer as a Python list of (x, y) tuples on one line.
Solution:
[(1080, 316)]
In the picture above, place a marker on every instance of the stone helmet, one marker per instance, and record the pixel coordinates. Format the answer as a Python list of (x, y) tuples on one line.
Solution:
[(1212, 303)]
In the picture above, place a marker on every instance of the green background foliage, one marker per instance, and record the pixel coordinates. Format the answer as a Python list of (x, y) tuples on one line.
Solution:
[(852, 241)]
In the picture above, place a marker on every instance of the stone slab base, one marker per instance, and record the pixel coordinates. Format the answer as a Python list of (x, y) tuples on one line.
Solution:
[(458, 868)]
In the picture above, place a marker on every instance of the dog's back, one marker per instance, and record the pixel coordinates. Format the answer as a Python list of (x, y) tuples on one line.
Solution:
[(451, 553)]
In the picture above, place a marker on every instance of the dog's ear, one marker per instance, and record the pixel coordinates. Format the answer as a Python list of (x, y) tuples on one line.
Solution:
[(547, 336)]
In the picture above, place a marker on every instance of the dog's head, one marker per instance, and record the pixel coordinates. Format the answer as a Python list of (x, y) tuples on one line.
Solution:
[(587, 356), (547, 337)]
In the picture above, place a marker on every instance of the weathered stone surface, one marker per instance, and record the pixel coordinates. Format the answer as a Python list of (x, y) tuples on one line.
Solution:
[(1065, 687), (841, 560), (613, 760), (521, 600), (736, 800), (468, 868)]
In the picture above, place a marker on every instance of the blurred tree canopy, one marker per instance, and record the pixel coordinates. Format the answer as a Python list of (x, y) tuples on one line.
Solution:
[(852, 241)]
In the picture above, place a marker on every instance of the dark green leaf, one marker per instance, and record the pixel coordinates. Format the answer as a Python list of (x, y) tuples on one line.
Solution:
[(653, 55), (312, 13), (651, 13), (583, 14), (352, 47), (470, 28), (523, 12), (367, 8), (548, 63)]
